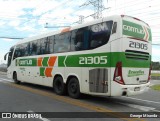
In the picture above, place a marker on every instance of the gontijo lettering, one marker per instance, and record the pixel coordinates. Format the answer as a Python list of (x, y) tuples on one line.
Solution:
[(133, 29), (25, 62)]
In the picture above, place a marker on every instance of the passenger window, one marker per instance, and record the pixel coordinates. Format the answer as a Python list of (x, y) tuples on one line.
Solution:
[(10, 57), (62, 43), (73, 40), (100, 34), (57, 44), (17, 52), (67, 44), (33, 48), (51, 44), (43, 45), (79, 39), (114, 28), (38, 47), (27, 53)]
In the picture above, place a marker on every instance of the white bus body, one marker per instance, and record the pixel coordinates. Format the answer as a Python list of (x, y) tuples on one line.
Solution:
[(109, 57)]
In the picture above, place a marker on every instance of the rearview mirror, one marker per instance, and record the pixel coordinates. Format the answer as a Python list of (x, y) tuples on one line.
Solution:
[(5, 56)]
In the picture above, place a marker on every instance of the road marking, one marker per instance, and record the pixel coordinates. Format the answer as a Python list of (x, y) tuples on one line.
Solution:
[(143, 108), (43, 119), (143, 100), (74, 102), (2, 79)]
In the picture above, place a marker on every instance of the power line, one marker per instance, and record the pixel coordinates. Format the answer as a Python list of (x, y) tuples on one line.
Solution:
[(98, 8), (11, 37)]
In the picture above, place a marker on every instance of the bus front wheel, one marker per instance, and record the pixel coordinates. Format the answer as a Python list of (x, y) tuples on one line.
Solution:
[(59, 86), (73, 88), (15, 78)]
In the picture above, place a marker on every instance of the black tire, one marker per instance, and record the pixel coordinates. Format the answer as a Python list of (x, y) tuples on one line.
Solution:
[(73, 88), (15, 78), (59, 86)]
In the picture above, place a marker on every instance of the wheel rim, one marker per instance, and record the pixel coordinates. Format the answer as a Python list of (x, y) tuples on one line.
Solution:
[(73, 88), (58, 85)]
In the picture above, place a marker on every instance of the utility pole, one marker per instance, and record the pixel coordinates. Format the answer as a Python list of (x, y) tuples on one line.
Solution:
[(81, 19), (98, 7)]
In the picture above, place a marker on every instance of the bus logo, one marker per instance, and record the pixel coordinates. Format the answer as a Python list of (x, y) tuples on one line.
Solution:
[(135, 73), (99, 27), (136, 30), (133, 29)]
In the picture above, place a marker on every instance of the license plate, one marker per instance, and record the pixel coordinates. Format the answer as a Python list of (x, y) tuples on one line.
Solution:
[(136, 88)]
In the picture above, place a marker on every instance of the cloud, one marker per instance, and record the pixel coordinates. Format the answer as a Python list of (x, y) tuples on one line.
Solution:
[(14, 23), (2, 23), (155, 53), (8, 40), (28, 17)]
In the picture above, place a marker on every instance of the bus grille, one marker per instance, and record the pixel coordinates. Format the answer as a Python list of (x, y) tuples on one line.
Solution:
[(137, 55)]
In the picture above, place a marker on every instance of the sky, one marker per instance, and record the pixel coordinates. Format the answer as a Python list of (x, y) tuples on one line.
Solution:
[(26, 18)]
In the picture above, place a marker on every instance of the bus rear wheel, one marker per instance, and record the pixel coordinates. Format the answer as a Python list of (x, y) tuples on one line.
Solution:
[(59, 86), (73, 88), (15, 78)]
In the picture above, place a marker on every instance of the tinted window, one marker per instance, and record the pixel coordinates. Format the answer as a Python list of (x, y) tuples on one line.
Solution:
[(43, 46), (79, 39), (10, 56), (51, 44), (33, 48), (62, 43), (17, 52), (114, 28), (27, 49), (100, 34)]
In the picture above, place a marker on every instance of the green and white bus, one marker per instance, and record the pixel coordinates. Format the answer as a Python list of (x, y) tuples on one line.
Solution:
[(108, 57)]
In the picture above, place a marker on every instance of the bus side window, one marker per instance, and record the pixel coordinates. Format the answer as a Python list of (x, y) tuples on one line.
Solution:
[(33, 48), (27, 52), (66, 43), (114, 28), (10, 57), (100, 34), (38, 52), (47, 46), (79, 39), (43, 45), (22, 50), (17, 52), (57, 44), (51, 44), (73, 40)]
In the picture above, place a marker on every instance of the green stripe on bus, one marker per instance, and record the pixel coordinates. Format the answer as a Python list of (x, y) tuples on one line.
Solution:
[(101, 60), (93, 60), (42, 70), (27, 62), (45, 61)]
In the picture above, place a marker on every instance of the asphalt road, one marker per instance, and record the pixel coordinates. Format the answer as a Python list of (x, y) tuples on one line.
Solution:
[(31, 99)]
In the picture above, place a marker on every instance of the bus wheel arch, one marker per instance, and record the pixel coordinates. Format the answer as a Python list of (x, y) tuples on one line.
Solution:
[(59, 85), (15, 78), (73, 87)]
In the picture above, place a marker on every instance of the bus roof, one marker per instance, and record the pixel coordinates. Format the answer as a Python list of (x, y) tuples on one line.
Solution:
[(113, 17), (61, 31)]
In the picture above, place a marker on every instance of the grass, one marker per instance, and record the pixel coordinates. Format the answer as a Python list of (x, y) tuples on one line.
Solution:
[(156, 87), (155, 74)]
